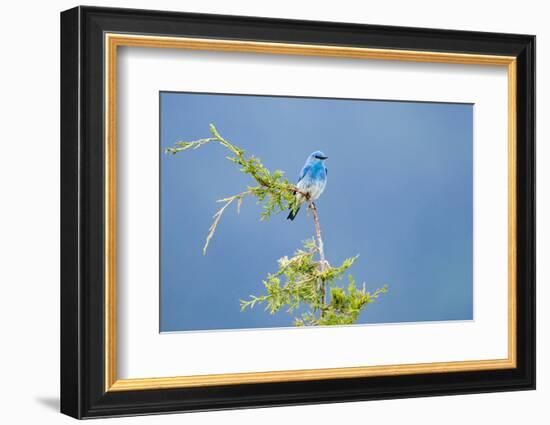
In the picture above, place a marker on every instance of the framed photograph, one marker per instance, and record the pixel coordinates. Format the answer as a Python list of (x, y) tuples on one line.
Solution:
[(210, 260)]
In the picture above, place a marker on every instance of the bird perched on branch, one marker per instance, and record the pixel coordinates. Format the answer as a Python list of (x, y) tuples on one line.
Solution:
[(311, 181)]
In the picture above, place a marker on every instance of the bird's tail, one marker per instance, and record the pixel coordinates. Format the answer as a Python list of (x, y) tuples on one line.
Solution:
[(293, 212)]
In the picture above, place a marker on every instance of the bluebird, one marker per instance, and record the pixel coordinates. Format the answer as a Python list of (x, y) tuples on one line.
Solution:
[(312, 180)]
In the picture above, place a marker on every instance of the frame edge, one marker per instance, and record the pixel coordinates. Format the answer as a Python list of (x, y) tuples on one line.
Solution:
[(70, 349)]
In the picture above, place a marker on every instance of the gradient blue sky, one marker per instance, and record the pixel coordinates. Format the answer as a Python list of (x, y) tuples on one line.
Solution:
[(399, 193)]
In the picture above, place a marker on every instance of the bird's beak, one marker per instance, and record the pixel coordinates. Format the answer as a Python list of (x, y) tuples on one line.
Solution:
[(323, 157)]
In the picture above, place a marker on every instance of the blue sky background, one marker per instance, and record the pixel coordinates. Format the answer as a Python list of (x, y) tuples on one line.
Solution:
[(399, 193)]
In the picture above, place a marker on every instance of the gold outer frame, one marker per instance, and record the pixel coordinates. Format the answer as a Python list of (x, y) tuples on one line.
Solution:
[(113, 41)]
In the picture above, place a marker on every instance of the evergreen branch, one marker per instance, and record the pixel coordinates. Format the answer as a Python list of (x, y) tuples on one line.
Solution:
[(276, 193)]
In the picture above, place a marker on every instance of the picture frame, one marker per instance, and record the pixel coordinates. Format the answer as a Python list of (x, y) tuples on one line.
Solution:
[(91, 38)]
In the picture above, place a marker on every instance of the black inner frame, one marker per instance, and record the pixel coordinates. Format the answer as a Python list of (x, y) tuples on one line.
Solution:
[(82, 206)]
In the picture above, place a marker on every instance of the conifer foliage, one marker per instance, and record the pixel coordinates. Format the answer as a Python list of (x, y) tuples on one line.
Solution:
[(305, 281)]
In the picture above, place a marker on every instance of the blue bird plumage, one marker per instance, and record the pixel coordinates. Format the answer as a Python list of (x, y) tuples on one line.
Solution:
[(312, 180)]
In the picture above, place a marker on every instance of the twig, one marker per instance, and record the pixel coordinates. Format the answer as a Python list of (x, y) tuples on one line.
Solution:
[(323, 261), (296, 190), (228, 201), (183, 146)]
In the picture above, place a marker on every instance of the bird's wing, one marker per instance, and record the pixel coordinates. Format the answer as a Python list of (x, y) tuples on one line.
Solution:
[(304, 171), (326, 171)]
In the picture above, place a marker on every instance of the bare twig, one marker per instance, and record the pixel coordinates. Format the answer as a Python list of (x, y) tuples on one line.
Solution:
[(296, 190), (183, 146), (228, 201), (323, 261)]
